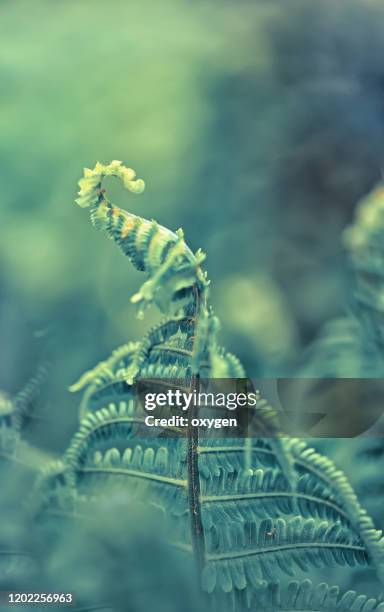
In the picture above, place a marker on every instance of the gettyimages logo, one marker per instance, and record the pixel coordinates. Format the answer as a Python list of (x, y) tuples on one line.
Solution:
[(342, 408)]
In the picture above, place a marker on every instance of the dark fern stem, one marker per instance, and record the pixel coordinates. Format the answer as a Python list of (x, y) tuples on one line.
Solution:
[(194, 488), (193, 475)]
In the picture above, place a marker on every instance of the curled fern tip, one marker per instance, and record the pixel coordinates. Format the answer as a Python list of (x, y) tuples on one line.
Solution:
[(91, 182)]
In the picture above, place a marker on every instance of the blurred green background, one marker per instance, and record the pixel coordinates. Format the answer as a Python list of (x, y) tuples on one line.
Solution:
[(256, 126)]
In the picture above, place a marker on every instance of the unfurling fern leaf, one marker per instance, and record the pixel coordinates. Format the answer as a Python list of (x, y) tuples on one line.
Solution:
[(283, 510), (176, 284)]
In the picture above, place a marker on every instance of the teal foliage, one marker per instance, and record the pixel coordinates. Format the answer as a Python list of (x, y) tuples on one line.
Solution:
[(307, 597), (352, 347), (251, 135), (248, 512), (20, 464), (14, 411), (73, 553)]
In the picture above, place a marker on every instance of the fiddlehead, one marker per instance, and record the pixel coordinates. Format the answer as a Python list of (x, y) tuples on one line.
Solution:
[(172, 267), (176, 283)]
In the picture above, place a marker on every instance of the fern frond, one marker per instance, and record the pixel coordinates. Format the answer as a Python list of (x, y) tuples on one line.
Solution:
[(172, 268), (176, 282), (304, 596), (103, 377), (179, 287), (245, 509), (105, 452), (325, 469), (13, 413), (25, 399), (255, 552)]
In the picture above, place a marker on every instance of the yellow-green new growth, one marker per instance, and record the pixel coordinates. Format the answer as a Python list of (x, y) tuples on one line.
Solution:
[(369, 222), (175, 283), (173, 269), (90, 184)]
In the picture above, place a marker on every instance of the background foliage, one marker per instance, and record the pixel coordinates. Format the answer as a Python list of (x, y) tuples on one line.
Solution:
[(257, 127)]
